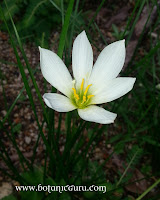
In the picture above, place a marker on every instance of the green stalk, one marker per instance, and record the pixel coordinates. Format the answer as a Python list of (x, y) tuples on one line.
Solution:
[(72, 28), (148, 190), (71, 143), (61, 47), (51, 136), (65, 28), (59, 127), (62, 12)]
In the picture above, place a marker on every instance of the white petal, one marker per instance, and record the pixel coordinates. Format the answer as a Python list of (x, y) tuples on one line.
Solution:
[(58, 102), (97, 114), (109, 63), (82, 58), (55, 71), (113, 90)]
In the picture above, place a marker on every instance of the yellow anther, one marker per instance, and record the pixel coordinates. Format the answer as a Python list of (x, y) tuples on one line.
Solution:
[(81, 99), (84, 98), (87, 88), (89, 96), (82, 84), (75, 94)]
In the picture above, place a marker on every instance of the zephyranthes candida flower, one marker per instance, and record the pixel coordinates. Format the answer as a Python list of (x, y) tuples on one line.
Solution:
[(90, 86)]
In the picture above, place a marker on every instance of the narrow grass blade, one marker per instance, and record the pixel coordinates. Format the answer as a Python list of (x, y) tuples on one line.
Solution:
[(28, 66), (148, 190)]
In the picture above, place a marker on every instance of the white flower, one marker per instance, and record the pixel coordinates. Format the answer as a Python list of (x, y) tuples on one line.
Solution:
[(90, 86)]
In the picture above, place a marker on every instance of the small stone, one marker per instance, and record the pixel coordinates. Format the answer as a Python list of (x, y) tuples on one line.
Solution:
[(101, 161), (26, 71), (130, 146), (5, 190), (97, 150), (98, 156), (27, 140), (4, 82)]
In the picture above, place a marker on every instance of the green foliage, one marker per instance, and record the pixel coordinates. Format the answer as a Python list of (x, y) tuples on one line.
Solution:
[(16, 128), (13, 6), (138, 112), (33, 18), (135, 153), (118, 34), (10, 197)]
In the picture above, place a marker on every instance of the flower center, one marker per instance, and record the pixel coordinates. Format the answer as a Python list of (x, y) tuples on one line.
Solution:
[(81, 98)]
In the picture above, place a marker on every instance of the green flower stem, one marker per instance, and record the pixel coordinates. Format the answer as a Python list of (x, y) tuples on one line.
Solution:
[(149, 189), (74, 18), (51, 136), (61, 49), (70, 144), (65, 28), (62, 12)]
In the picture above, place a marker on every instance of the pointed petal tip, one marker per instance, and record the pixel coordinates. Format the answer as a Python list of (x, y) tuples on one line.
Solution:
[(113, 118), (122, 41), (39, 48), (44, 97), (133, 80), (83, 34)]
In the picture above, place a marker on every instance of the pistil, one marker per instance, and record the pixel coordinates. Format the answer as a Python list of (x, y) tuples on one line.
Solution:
[(81, 98)]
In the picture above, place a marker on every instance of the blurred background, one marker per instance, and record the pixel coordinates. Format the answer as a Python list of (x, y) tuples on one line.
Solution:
[(133, 141)]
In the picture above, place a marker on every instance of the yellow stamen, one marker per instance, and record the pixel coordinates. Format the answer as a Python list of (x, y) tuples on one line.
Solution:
[(82, 84), (89, 96), (75, 94), (84, 98), (87, 88)]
